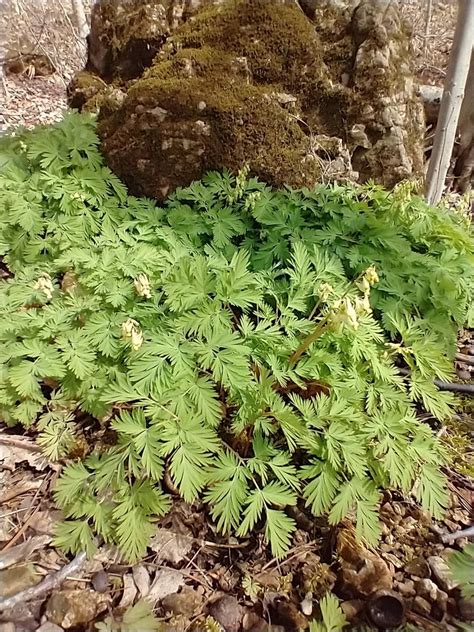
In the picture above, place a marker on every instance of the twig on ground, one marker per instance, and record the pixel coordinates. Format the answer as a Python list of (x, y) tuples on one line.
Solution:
[(28, 519), (26, 444), (457, 535), (49, 583), (453, 387), (21, 552), (467, 359), (296, 551), (19, 491)]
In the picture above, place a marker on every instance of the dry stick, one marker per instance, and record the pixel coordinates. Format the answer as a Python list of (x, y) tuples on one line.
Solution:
[(19, 491), (453, 387), (429, 12), (467, 359), (18, 443), (457, 535), (49, 583)]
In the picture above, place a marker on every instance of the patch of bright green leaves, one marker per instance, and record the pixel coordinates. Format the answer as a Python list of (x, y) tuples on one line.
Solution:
[(177, 327)]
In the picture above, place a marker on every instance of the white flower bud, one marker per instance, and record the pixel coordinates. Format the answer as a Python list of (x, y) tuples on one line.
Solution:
[(137, 339), (45, 285), (131, 331), (325, 290), (371, 275), (142, 286)]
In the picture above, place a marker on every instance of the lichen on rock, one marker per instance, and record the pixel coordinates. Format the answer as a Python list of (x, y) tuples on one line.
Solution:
[(298, 92)]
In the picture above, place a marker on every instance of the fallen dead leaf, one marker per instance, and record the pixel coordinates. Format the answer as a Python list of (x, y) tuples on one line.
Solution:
[(165, 582), (141, 577), (129, 592), (44, 522), (171, 546), (22, 450), (22, 551), (362, 571)]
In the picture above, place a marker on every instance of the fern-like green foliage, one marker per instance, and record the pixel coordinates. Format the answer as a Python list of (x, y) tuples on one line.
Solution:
[(242, 340), (137, 618), (333, 618), (461, 565)]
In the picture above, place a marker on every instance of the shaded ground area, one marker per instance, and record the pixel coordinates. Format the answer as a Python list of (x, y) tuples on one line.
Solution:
[(192, 574)]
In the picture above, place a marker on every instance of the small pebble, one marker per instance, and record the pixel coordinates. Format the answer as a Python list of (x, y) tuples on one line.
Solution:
[(49, 627), (466, 609), (407, 588), (100, 582), (307, 604), (421, 606), (418, 567), (393, 559), (442, 600), (441, 573), (427, 588)]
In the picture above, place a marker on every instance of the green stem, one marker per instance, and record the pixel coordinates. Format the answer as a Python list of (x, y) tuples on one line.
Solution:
[(308, 341), (320, 327)]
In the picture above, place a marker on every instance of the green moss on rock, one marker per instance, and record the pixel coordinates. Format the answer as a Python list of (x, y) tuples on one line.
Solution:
[(254, 82)]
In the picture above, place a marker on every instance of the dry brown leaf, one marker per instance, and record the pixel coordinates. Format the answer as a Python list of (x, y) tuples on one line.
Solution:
[(12, 455), (166, 582), (44, 522), (141, 577), (21, 552), (171, 546), (129, 592)]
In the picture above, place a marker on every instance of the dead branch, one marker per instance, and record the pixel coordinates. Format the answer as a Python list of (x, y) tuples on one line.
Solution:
[(453, 387), (449, 538), (467, 359), (48, 584)]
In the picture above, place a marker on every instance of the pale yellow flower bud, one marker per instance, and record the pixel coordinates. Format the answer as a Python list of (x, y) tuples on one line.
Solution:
[(137, 339), (128, 326), (371, 275), (45, 285), (131, 331), (325, 290), (362, 306), (349, 314), (344, 313), (363, 285), (142, 286)]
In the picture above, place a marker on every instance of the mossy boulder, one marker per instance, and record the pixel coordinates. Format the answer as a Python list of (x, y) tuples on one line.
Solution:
[(300, 93)]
